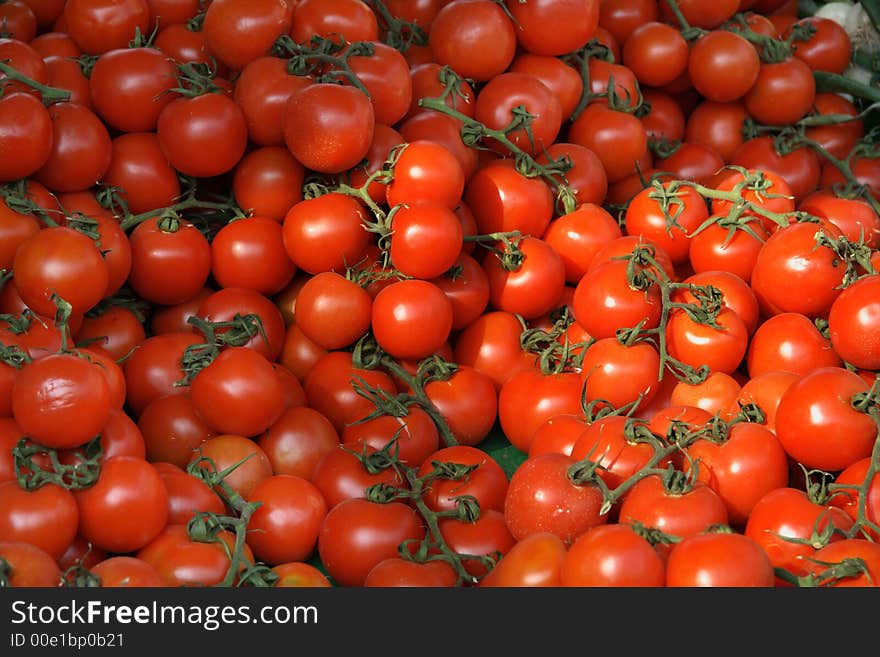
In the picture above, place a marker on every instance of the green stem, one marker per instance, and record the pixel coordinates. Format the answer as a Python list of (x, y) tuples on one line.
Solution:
[(49, 94)]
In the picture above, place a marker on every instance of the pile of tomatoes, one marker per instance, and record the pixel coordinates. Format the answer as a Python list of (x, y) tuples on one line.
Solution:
[(437, 293)]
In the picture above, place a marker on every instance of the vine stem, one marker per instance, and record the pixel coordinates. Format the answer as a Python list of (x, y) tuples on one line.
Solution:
[(862, 521), (188, 203), (48, 94)]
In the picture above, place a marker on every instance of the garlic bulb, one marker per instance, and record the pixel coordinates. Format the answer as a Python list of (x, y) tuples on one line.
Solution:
[(836, 11), (861, 31)]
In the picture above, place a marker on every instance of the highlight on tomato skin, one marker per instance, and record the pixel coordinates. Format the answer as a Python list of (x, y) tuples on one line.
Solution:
[(471, 293)]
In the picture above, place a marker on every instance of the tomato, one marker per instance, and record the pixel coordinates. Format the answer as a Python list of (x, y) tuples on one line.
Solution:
[(697, 162), (714, 395), (98, 26), (18, 20), (721, 349), (700, 14), (561, 79), (504, 200), (184, 46), (145, 179), (620, 374), (798, 169), (557, 435), (239, 31), (416, 434), (411, 319), (155, 366), (459, 33), (718, 248), (865, 170), (285, 527), (829, 48), (172, 430), (426, 239), (579, 235), (81, 552), (554, 28), (491, 345), (657, 53), (426, 83), (622, 17), (664, 117), (681, 514), (328, 388), (15, 229), (534, 287), (171, 261), (357, 534), (790, 342), (297, 574), (28, 566), (329, 128), (182, 561), (612, 555), (854, 324), (224, 305), (126, 572), (854, 217), (268, 182), (202, 136), (853, 548), (298, 440), (534, 561), (81, 149), (126, 508), (782, 94), (837, 138), (788, 526), (486, 536), (817, 424), (793, 256), (187, 494), (723, 66), (228, 450), (27, 141), (586, 178), (617, 138), (262, 91), (707, 560), (487, 482), (765, 390), (325, 233), (466, 286), (169, 319), (351, 20), (605, 302), (46, 517), (397, 572), (426, 172), (468, 403), (385, 75), (249, 253), (340, 475), (717, 124), (130, 87), (538, 488), (646, 217), (847, 498), (61, 400)]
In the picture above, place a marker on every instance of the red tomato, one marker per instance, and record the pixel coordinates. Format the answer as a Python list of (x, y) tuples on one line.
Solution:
[(27, 136), (181, 561), (557, 435), (765, 390), (848, 499), (853, 548), (828, 49), (612, 555), (357, 534), (340, 475), (385, 75), (854, 324), (46, 518), (721, 349), (617, 138), (534, 287), (504, 200), (299, 574), (239, 31), (172, 430), (325, 233), (268, 182), (468, 403), (98, 26), (789, 342), (426, 239), (460, 31), (854, 217), (579, 235), (657, 53), (605, 442), (714, 395), (126, 572), (126, 508), (228, 450), (723, 66), (647, 218), (534, 561), (718, 125), (187, 494), (224, 305), (139, 169), (426, 172), (352, 20), (487, 482), (586, 178), (491, 345), (416, 434), (620, 374), (298, 440), (681, 514), (411, 318), (837, 138), (396, 572), (249, 253), (719, 560), (29, 566), (799, 169)]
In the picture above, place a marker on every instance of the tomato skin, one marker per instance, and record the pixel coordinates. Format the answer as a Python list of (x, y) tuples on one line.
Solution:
[(238, 393), (789, 342), (426, 239), (487, 482), (46, 517), (15, 229), (491, 345), (426, 172), (854, 217), (561, 79), (645, 218), (268, 182), (328, 128), (459, 33), (705, 560), (681, 515), (586, 178), (554, 28), (468, 402), (504, 200), (578, 236), (604, 301), (386, 76), (172, 430), (416, 433), (225, 304), (61, 400), (838, 139), (467, 288), (829, 49), (534, 561), (62, 261), (657, 54), (285, 527), (239, 31), (718, 125), (397, 572), (154, 368), (700, 14), (249, 253), (782, 94), (139, 168), (800, 169), (297, 574), (534, 288), (486, 536), (617, 138), (847, 499), (127, 572), (765, 390), (620, 374), (168, 266), (203, 136), (538, 488), (411, 319), (612, 555), (298, 440), (744, 468), (604, 442), (817, 425), (98, 26), (696, 344), (723, 66), (852, 548), (29, 566), (712, 249), (854, 324), (187, 494), (788, 513), (182, 561), (27, 136), (325, 233), (791, 255), (357, 534), (340, 476), (126, 508)]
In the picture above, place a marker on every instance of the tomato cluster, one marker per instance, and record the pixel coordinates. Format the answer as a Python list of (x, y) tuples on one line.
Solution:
[(436, 293)]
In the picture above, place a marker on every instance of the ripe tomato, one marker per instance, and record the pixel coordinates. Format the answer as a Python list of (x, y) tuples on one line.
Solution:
[(285, 527), (612, 555), (539, 488), (416, 434), (325, 233), (828, 49), (718, 125), (426, 239), (695, 344), (268, 182), (262, 91), (714, 395), (617, 138), (788, 526), (605, 442), (782, 94), (182, 561), (239, 31), (789, 342), (491, 345), (586, 178), (228, 450), (854, 217), (411, 318), (126, 508), (298, 440), (837, 138), (468, 402), (854, 324), (459, 33), (203, 136), (155, 366), (401, 572), (351, 20), (503, 200), (765, 390), (534, 287), (719, 560), (328, 128), (238, 393), (98, 26), (557, 435), (46, 517), (657, 53), (357, 534), (848, 498), (340, 475), (681, 514), (723, 66), (799, 169), (534, 561), (139, 169), (224, 305), (577, 237), (187, 494), (486, 536), (172, 430), (29, 566), (249, 253), (297, 574), (853, 548), (620, 374), (27, 136), (385, 75), (487, 482), (466, 286), (61, 400), (126, 572), (718, 248), (701, 14), (646, 217)]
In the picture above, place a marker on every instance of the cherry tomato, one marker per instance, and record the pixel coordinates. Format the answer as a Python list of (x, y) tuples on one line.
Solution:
[(46, 518), (460, 31), (723, 66), (681, 514), (612, 555), (239, 31), (708, 560), (223, 452)]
